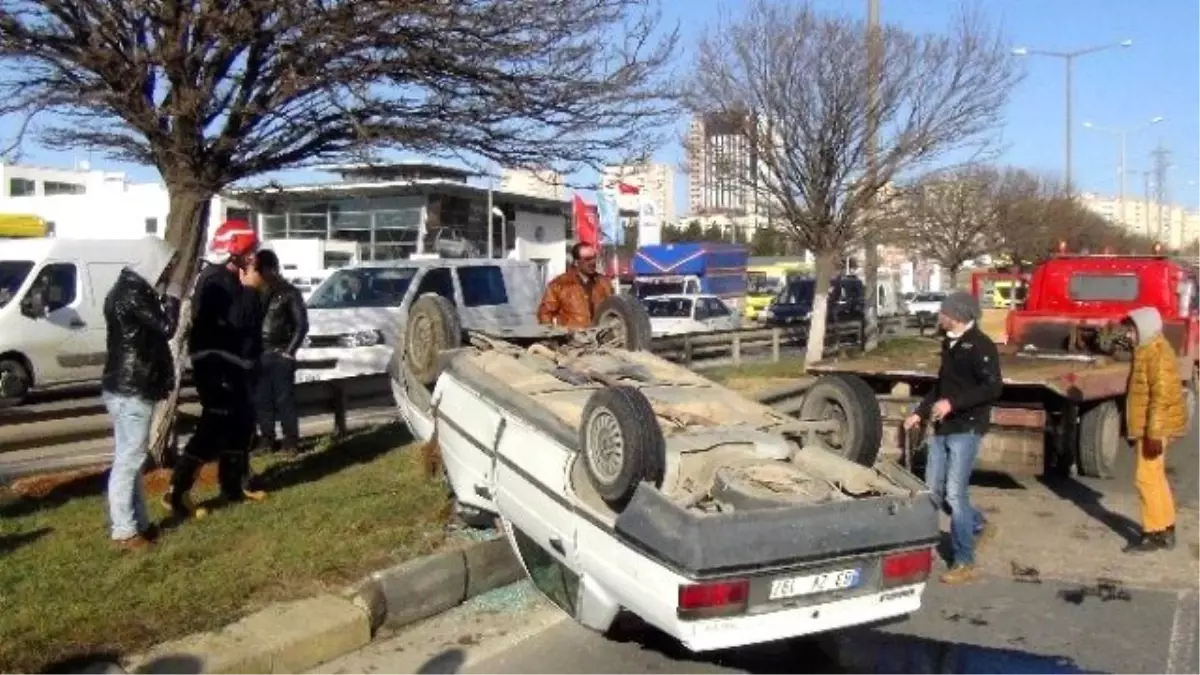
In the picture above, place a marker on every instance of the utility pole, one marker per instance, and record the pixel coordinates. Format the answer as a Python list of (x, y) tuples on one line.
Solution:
[(1162, 162), (870, 243)]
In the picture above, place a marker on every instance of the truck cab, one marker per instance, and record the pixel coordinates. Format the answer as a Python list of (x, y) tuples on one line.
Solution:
[(1073, 301), (692, 268)]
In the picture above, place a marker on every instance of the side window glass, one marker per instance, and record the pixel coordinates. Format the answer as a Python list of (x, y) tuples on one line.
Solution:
[(550, 576), (701, 310), (482, 286), (57, 284), (718, 308), (438, 281)]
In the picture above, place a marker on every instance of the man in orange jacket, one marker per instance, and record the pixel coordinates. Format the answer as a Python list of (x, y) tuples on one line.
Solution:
[(1155, 415), (571, 298)]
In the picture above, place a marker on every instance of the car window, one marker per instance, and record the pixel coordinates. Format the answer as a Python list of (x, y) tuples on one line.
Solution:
[(717, 308), (482, 286), (363, 287), (668, 308), (1103, 287), (437, 280), (12, 275), (551, 577), (58, 282), (702, 310)]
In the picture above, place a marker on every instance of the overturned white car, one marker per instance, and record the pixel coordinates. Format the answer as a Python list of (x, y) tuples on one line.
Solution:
[(626, 482)]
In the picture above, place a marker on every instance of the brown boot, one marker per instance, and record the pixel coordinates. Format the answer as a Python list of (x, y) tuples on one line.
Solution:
[(959, 574), (134, 543)]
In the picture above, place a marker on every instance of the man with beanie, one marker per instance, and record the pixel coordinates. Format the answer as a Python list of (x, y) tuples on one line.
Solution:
[(140, 319), (960, 407), (224, 343), (1155, 414)]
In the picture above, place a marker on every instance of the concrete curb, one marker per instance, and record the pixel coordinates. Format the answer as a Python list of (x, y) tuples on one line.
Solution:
[(296, 636)]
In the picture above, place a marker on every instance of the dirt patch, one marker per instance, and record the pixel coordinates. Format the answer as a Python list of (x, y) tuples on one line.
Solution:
[(83, 482)]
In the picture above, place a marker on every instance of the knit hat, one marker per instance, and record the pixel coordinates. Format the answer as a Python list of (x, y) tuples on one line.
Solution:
[(961, 306)]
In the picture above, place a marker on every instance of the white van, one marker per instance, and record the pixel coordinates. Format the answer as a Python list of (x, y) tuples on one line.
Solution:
[(63, 341)]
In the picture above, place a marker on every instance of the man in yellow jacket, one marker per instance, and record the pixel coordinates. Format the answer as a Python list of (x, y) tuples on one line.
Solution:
[(1155, 415)]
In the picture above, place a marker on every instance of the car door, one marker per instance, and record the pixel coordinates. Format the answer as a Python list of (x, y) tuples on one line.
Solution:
[(700, 316), (55, 333), (722, 317), (100, 278), (531, 488)]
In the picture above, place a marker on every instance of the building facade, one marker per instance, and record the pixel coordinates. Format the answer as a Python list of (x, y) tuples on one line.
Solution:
[(655, 182), (540, 184), (1172, 225), (722, 165)]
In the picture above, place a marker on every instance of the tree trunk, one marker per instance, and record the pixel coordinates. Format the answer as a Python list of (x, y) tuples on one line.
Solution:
[(824, 264), (871, 300), (187, 227)]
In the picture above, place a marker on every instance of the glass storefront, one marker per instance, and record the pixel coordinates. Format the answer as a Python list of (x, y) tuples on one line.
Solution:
[(384, 228)]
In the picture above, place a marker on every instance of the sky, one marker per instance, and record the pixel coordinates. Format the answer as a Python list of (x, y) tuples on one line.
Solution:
[(1159, 75)]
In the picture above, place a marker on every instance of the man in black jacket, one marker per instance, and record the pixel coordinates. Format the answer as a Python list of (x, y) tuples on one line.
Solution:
[(138, 372), (224, 345), (960, 407), (284, 327)]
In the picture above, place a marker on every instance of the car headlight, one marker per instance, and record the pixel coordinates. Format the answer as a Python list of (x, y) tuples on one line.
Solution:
[(366, 338)]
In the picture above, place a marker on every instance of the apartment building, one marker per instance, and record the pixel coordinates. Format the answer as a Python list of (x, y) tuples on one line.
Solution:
[(1173, 225), (655, 182), (540, 184), (722, 165)]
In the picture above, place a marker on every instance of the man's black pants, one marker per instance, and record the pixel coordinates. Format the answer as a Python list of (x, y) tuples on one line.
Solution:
[(224, 432), (276, 399)]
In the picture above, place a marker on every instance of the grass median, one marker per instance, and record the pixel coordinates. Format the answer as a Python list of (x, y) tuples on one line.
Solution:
[(333, 515)]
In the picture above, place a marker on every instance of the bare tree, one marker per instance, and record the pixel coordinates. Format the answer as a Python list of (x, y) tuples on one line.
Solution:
[(789, 84), (212, 93), (950, 216)]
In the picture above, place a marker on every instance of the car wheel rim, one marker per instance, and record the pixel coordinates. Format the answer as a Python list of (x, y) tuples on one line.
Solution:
[(606, 446), (614, 330), (10, 383), (835, 440), (420, 340)]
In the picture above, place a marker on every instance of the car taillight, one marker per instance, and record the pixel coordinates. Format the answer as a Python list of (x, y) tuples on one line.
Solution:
[(717, 598), (909, 567)]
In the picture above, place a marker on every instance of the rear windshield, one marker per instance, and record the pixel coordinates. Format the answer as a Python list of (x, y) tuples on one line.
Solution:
[(1103, 287), (669, 308)]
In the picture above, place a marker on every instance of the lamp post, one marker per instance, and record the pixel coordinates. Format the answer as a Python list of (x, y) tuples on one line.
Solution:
[(1123, 133), (497, 211), (1069, 60)]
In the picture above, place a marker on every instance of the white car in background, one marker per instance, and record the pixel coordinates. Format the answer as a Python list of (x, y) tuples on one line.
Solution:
[(306, 281), (923, 308), (682, 314), (354, 315)]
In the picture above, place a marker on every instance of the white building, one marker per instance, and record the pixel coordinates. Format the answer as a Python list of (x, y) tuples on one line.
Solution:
[(541, 184), (655, 182), (723, 165), (372, 213), (1173, 225)]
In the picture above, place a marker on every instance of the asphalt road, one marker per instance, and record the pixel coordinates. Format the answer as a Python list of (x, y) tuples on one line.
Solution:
[(1183, 471), (995, 626)]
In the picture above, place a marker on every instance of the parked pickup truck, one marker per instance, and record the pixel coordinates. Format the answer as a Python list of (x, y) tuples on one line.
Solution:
[(1065, 367), (624, 481)]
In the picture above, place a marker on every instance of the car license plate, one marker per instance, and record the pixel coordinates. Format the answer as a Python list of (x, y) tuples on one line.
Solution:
[(782, 589)]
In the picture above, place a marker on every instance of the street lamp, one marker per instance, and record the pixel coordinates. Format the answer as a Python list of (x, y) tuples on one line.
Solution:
[(1123, 133), (1069, 59)]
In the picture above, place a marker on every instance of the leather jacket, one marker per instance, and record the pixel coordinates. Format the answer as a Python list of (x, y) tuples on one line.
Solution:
[(139, 326), (570, 303), (285, 320)]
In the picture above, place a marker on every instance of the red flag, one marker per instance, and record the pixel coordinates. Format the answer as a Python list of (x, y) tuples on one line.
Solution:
[(587, 223), (627, 189)]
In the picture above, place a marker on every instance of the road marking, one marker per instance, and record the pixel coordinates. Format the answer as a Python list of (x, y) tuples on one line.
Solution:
[(1183, 634)]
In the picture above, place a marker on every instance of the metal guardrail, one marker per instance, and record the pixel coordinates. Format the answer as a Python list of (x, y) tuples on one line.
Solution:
[(734, 346)]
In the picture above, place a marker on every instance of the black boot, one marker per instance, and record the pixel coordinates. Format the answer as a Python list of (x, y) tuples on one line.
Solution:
[(1148, 543), (1168, 538)]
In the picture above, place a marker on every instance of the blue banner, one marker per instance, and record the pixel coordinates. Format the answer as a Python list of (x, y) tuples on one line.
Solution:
[(610, 218)]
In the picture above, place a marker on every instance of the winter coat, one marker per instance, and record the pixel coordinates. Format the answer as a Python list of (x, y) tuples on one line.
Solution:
[(1155, 406), (569, 303), (285, 318), (139, 325)]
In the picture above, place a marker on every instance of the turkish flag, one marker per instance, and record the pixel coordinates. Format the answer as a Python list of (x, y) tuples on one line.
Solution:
[(587, 223), (627, 189)]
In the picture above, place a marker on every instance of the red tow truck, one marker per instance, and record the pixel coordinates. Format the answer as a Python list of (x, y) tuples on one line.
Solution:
[(1065, 366)]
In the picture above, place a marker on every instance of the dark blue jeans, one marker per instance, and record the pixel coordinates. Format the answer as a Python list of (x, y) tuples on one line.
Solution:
[(948, 475)]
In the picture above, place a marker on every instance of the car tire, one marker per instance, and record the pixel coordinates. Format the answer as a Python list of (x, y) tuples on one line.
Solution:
[(16, 382), (433, 327), (1100, 440), (850, 399), (632, 319), (622, 444)]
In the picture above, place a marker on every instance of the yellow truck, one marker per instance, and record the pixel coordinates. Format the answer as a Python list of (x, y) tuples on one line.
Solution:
[(19, 226), (764, 282)]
